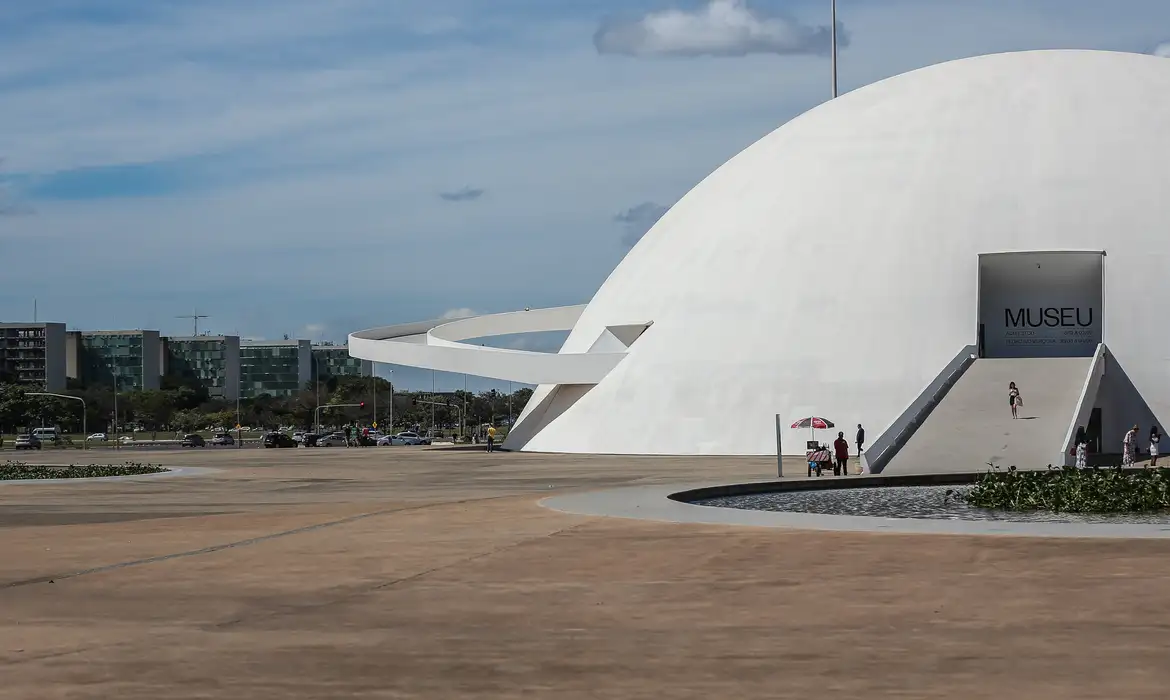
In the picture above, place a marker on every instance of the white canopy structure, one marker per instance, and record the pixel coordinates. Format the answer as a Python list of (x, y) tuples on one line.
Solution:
[(833, 268)]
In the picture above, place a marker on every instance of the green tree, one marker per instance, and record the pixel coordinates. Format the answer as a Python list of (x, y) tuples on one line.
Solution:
[(189, 420)]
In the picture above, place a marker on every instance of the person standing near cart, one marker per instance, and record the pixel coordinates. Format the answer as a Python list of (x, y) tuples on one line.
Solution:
[(841, 448)]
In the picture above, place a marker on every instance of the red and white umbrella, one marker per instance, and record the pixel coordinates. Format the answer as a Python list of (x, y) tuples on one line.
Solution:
[(814, 423)]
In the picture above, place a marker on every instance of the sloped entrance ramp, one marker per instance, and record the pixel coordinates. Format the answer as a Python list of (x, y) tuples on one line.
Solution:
[(973, 426)]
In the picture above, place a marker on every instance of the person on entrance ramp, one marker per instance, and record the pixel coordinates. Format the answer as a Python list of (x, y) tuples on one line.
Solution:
[(1014, 399)]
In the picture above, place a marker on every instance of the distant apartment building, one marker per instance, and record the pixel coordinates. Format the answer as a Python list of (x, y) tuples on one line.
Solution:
[(33, 354), (276, 368), (212, 360), (335, 361), (127, 360)]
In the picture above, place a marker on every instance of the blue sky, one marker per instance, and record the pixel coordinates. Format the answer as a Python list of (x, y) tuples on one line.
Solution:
[(311, 167)]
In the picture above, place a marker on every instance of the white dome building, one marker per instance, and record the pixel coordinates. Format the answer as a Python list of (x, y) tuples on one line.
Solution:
[(849, 264)]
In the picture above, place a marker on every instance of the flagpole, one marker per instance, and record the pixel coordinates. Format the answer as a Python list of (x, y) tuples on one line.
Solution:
[(833, 7)]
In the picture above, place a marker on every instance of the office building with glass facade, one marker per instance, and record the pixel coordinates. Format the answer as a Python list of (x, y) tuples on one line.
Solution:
[(129, 360), (335, 361), (275, 368), (212, 360), (33, 354)]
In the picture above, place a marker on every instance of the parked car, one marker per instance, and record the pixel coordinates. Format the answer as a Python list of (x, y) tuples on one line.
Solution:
[(412, 438), (98, 437), (193, 440), (332, 440), (299, 436), (387, 440), (27, 442), (279, 440), (223, 439), (310, 439)]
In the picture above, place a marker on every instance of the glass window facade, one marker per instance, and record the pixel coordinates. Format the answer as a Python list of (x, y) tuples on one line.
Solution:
[(274, 370), (202, 360), (335, 361), (114, 359)]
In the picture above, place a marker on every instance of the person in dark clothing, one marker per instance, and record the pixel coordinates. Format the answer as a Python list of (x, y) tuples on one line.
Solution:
[(841, 447), (348, 435), (860, 439)]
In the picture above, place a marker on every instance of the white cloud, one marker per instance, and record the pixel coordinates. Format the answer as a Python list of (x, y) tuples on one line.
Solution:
[(466, 194), (1163, 50), (638, 220), (721, 28), (457, 313), (313, 331)]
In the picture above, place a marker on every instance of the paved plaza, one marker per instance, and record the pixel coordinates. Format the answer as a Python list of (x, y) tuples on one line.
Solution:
[(432, 573)]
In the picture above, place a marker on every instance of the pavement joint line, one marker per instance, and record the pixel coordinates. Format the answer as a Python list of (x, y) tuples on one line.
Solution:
[(230, 545), (395, 582)]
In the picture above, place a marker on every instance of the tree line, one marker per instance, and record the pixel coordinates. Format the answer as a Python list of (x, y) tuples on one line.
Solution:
[(179, 407)]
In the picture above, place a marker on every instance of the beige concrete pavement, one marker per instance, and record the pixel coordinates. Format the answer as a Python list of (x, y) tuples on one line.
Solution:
[(396, 573)]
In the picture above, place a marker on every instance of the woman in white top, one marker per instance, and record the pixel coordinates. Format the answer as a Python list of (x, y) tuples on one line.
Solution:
[(1155, 438), (1127, 447), (1014, 398)]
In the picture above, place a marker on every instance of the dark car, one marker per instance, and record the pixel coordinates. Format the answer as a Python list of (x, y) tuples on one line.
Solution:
[(27, 442), (279, 440), (193, 440), (310, 439)]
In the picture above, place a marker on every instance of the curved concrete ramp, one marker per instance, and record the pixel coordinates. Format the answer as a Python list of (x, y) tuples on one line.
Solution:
[(973, 425)]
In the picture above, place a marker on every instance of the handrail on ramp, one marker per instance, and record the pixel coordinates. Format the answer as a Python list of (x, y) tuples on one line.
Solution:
[(1084, 406), (895, 437)]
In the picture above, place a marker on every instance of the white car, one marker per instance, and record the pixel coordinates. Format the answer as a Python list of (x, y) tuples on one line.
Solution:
[(411, 438), (98, 437), (387, 440)]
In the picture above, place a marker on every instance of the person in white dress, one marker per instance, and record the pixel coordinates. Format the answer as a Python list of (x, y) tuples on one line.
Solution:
[(1127, 447), (1155, 438)]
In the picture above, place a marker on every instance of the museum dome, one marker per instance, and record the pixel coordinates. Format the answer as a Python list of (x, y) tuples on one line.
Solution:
[(830, 268)]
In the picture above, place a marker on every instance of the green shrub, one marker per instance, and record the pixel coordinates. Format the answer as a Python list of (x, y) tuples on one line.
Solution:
[(1070, 490), (19, 470)]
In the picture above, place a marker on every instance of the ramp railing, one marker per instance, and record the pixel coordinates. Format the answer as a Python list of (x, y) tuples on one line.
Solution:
[(1084, 406), (894, 438)]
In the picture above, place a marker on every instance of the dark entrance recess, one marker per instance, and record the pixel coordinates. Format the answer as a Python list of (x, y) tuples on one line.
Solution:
[(1093, 431)]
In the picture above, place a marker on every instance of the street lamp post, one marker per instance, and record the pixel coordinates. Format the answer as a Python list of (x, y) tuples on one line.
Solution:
[(391, 382), (317, 387), (374, 389), (833, 11), (84, 420), (117, 423)]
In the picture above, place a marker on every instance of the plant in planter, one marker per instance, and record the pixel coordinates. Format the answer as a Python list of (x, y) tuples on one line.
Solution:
[(1070, 490), (11, 470)]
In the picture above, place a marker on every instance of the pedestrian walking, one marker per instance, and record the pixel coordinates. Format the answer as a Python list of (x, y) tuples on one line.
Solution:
[(841, 447), (1082, 448), (1155, 438), (860, 439), (1128, 445), (491, 439), (1014, 399), (348, 434)]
